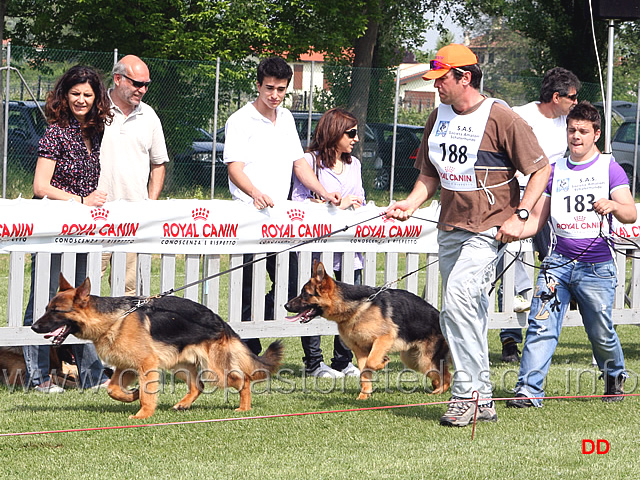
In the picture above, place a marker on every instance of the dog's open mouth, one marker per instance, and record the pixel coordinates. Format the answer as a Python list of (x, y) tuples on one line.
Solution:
[(305, 316), (59, 335)]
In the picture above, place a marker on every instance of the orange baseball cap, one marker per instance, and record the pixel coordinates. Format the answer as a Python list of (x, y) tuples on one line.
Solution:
[(451, 56)]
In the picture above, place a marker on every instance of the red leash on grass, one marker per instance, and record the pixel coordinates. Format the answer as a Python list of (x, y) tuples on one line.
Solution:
[(284, 415)]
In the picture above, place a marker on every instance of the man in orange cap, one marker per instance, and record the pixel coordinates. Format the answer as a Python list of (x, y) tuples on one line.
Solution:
[(472, 148)]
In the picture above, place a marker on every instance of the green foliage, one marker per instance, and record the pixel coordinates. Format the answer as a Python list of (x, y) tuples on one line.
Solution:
[(412, 116)]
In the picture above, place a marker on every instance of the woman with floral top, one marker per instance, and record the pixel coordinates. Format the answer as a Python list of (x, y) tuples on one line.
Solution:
[(68, 168)]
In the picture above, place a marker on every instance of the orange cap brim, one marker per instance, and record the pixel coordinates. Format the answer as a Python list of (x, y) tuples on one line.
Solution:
[(433, 74)]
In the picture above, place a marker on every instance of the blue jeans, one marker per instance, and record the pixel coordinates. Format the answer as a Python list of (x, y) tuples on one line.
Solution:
[(342, 354), (593, 286), (36, 357)]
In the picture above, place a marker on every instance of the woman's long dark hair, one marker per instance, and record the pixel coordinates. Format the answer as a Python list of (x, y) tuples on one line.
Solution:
[(331, 127), (57, 107)]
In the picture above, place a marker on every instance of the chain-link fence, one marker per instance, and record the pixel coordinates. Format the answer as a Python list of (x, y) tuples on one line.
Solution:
[(185, 95)]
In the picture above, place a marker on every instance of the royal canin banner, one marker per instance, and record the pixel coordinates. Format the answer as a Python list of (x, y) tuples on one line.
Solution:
[(208, 226)]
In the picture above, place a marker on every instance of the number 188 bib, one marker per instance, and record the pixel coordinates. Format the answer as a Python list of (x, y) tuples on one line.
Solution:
[(454, 143)]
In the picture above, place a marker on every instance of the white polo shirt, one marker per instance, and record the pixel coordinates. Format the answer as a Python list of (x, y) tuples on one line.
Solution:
[(550, 132), (267, 150), (130, 144)]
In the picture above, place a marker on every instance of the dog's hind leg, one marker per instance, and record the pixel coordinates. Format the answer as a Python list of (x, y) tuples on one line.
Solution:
[(117, 388), (194, 386), (242, 383)]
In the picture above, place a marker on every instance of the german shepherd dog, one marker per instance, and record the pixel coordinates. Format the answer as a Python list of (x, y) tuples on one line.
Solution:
[(373, 322), (165, 333)]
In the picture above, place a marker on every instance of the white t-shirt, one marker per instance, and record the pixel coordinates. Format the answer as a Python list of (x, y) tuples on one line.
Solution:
[(267, 150), (550, 132), (129, 146)]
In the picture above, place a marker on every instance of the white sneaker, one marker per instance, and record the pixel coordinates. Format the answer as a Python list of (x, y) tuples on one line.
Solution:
[(325, 371), (101, 386), (351, 371), (48, 387), (521, 304)]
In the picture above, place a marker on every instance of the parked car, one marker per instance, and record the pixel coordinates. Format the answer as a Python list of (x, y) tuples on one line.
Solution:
[(194, 163), (408, 138), (26, 126), (369, 144), (621, 111), (622, 146)]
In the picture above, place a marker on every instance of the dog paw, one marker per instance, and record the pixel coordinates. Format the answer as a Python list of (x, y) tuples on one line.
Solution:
[(363, 396), (181, 408), (241, 409), (140, 416)]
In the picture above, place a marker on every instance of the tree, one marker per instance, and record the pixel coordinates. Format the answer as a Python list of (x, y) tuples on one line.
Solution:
[(558, 28)]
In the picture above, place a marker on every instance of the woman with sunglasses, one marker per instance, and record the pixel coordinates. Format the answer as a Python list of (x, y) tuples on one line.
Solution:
[(68, 168), (329, 155)]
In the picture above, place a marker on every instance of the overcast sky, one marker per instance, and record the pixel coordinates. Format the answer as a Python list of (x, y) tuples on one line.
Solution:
[(432, 34)]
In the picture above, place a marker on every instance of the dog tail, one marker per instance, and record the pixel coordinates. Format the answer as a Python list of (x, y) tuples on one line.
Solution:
[(254, 367), (269, 362)]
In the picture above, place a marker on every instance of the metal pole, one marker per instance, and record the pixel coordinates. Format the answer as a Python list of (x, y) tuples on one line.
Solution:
[(635, 148), (214, 146), (607, 106), (115, 56), (309, 119), (396, 99), (6, 125)]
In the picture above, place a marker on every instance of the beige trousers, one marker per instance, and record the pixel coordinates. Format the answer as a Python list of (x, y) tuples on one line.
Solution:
[(130, 278)]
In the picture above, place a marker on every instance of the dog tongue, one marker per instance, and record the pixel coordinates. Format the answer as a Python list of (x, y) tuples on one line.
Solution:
[(293, 318), (54, 333)]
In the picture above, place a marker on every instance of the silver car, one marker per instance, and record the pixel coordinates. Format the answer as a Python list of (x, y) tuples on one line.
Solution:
[(622, 146)]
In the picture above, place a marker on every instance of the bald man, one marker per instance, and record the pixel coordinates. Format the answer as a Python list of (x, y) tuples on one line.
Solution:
[(133, 151)]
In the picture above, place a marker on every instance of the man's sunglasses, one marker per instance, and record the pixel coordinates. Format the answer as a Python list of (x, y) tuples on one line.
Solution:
[(351, 133), (136, 83), (438, 65), (573, 97)]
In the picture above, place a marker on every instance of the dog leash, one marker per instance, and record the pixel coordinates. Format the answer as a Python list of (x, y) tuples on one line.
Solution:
[(388, 285), (140, 303)]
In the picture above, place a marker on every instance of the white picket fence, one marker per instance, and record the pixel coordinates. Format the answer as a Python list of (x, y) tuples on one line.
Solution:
[(424, 283)]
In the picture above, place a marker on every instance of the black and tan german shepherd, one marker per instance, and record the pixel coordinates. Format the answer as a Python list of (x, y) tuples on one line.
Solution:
[(166, 333), (374, 322)]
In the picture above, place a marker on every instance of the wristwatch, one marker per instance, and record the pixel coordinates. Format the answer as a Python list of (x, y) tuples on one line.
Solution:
[(523, 214)]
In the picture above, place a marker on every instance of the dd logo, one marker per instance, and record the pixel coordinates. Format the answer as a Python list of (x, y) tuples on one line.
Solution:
[(600, 446)]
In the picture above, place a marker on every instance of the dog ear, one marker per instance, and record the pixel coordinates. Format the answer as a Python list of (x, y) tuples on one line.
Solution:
[(63, 284), (318, 271), (83, 291)]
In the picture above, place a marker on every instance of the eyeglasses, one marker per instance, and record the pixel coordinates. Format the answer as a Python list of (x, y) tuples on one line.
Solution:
[(351, 133), (438, 65), (573, 97), (136, 83)]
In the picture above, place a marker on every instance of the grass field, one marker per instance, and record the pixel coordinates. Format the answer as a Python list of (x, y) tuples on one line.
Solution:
[(402, 443)]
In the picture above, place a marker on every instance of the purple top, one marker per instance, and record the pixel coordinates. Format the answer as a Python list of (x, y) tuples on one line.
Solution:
[(596, 250), (76, 169), (349, 182)]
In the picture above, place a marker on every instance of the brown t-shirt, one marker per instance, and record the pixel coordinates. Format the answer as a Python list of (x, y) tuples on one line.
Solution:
[(508, 144)]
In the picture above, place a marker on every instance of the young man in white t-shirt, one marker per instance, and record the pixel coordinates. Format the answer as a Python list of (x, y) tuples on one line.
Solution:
[(261, 150)]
